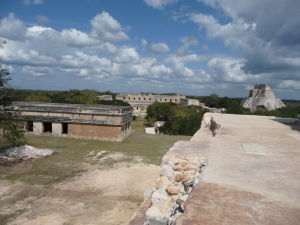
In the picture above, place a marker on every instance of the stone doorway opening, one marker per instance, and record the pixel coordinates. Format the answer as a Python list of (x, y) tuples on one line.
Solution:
[(64, 128), (29, 126), (47, 127)]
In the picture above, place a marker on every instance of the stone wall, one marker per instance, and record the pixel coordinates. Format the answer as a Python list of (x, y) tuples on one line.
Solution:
[(96, 132), (149, 98), (180, 171), (179, 174), (77, 116), (56, 129), (37, 127), (85, 131), (81, 121)]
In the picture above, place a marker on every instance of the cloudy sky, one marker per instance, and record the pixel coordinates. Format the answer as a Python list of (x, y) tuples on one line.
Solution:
[(187, 46)]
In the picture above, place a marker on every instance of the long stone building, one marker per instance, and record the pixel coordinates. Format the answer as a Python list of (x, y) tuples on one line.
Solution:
[(140, 102), (262, 96), (102, 122)]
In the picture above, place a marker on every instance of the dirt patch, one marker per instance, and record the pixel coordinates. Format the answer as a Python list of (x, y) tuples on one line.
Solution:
[(106, 197)]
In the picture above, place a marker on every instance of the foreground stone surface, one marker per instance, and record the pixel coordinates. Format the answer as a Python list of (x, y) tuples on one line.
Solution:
[(248, 186), (252, 174), (106, 196)]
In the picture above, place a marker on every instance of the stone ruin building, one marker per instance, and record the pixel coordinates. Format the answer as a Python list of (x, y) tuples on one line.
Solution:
[(262, 96), (190, 101), (102, 122), (105, 97), (140, 102)]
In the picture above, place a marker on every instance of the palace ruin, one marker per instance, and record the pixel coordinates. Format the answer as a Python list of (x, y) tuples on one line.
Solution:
[(140, 102), (102, 122)]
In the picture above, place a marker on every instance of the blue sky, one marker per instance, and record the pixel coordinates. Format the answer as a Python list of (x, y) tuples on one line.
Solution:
[(194, 47)]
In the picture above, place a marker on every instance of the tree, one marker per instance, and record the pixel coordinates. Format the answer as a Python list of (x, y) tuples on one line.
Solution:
[(212, 101), (159, 111), (11, 126), (179, 120), (39, 97)]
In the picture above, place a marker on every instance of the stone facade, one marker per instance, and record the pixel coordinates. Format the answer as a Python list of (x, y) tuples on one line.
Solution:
[(190, 101), (100, 122), (262, 96), (105, 97), (140, 102)]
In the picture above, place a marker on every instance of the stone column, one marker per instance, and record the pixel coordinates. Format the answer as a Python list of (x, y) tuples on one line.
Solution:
[(57, 129), (37, 127)]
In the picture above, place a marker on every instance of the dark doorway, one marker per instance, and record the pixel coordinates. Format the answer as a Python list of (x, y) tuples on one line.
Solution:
[(261, 107), (29, 126), (64, 128), (47, 127)]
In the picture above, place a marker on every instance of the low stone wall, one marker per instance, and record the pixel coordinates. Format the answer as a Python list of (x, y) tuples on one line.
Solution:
[(180, 172)]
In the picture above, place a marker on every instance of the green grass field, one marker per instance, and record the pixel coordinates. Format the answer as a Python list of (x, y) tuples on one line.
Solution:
[(71, 153)]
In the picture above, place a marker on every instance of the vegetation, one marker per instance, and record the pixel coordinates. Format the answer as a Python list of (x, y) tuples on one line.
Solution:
[(286, 112), (71, 154), (11, 127), (233, 106), (72, 96), (179, 120)]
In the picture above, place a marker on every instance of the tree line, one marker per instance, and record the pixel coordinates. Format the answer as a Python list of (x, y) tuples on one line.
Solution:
[(72, 96)]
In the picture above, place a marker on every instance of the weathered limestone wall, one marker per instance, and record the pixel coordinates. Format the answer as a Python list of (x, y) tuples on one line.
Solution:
[(56, 129), (108, 118), (92, 131), (180, 171), (85, 131), (37, 128)]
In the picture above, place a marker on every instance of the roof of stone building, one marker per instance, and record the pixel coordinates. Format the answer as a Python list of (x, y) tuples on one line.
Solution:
[(71, 108), (262, 95), (150, 94)]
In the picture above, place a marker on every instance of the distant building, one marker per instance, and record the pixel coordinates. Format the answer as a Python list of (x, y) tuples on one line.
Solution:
[(101, 122), (140, 102), (105, 97), (190, 101), (262, 96)]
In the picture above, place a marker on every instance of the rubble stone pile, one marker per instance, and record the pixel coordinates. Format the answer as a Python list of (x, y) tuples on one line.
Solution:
[(23, 152), (178, 176)]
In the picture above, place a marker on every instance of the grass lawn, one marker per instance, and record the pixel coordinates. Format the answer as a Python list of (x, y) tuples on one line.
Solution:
[(70, 153)]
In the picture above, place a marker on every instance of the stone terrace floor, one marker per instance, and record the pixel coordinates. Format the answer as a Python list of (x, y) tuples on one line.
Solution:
[(252, 176)]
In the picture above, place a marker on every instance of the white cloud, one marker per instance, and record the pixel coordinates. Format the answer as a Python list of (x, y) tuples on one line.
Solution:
[(230, 70), (33, 2), (126, 55), (234, 34), (290, 84), (36, 71), (44, 51), (75, 37), (187, 43), (9, 68), (268, 38), (159, 4), (12, 28), (107, 28), (159, 48), (177, 59)]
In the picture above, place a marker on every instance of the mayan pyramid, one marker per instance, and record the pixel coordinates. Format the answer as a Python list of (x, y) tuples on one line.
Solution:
[(262, 96)]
